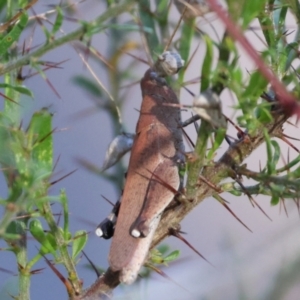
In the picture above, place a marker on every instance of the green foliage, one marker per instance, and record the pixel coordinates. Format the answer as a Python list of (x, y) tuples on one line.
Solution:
[(26, 158), (88, 85), (207, 64), (37, 231), (80, 240), (58, 21), (26, 150), (185, 43), (148, 21), (18, 88), (160, 256), (218, 140), (11, 37)]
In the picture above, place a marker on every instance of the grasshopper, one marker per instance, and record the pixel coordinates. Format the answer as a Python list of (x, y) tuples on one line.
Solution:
[(153, 173)]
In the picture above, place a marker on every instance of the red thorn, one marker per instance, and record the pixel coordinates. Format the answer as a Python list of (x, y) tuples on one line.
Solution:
[(164, 183), (36, 271), (107, 200), (88, 165), (192, 81), (239, 130), (297, 205), (227, 207), (196, 126), (283, 159), (189, 91), (188, 138), (87, 51), (8, 98), (163, 274), (6, 271), (237, 218), (58, 219), (66, 283), (63, 177), (92, 264), (192, 57), (56, 163), (214, 187), (251, 199), (176, 233), (49, 66), (52, 88), (45, 136), (290, 123), (282, 202), (20, 125), (136, 58), (290, 137), (283, 137)]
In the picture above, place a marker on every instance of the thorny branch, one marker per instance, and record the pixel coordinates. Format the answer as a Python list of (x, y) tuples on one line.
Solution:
[(229, 165), (198, 190), (75, 35), (224, 167)]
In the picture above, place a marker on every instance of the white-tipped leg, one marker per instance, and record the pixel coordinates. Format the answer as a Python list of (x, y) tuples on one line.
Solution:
[(137, 256), (99, 232), (135, 233)]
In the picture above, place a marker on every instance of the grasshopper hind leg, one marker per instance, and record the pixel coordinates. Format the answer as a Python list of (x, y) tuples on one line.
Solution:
[(160, 192)]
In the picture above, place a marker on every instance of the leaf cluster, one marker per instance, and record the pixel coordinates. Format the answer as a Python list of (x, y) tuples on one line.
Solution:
[(26, 152)]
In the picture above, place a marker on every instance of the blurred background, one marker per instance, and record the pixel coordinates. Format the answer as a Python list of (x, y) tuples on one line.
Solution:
[(264, 264)]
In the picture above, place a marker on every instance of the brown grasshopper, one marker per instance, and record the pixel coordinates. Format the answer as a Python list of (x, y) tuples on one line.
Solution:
[(152, 175)]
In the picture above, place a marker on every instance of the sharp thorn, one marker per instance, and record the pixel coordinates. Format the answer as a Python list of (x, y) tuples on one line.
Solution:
[(222, 201), (282, 202), (164, 183), (163, 274), (251, 199), (66, 283), (92, 264), (189, 91), (176, 233), (211, 185), (188, 138), (63, 177), (108, 200), (36, 271)]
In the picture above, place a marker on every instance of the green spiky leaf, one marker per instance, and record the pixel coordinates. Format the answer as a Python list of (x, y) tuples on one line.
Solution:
[(80, 240)]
